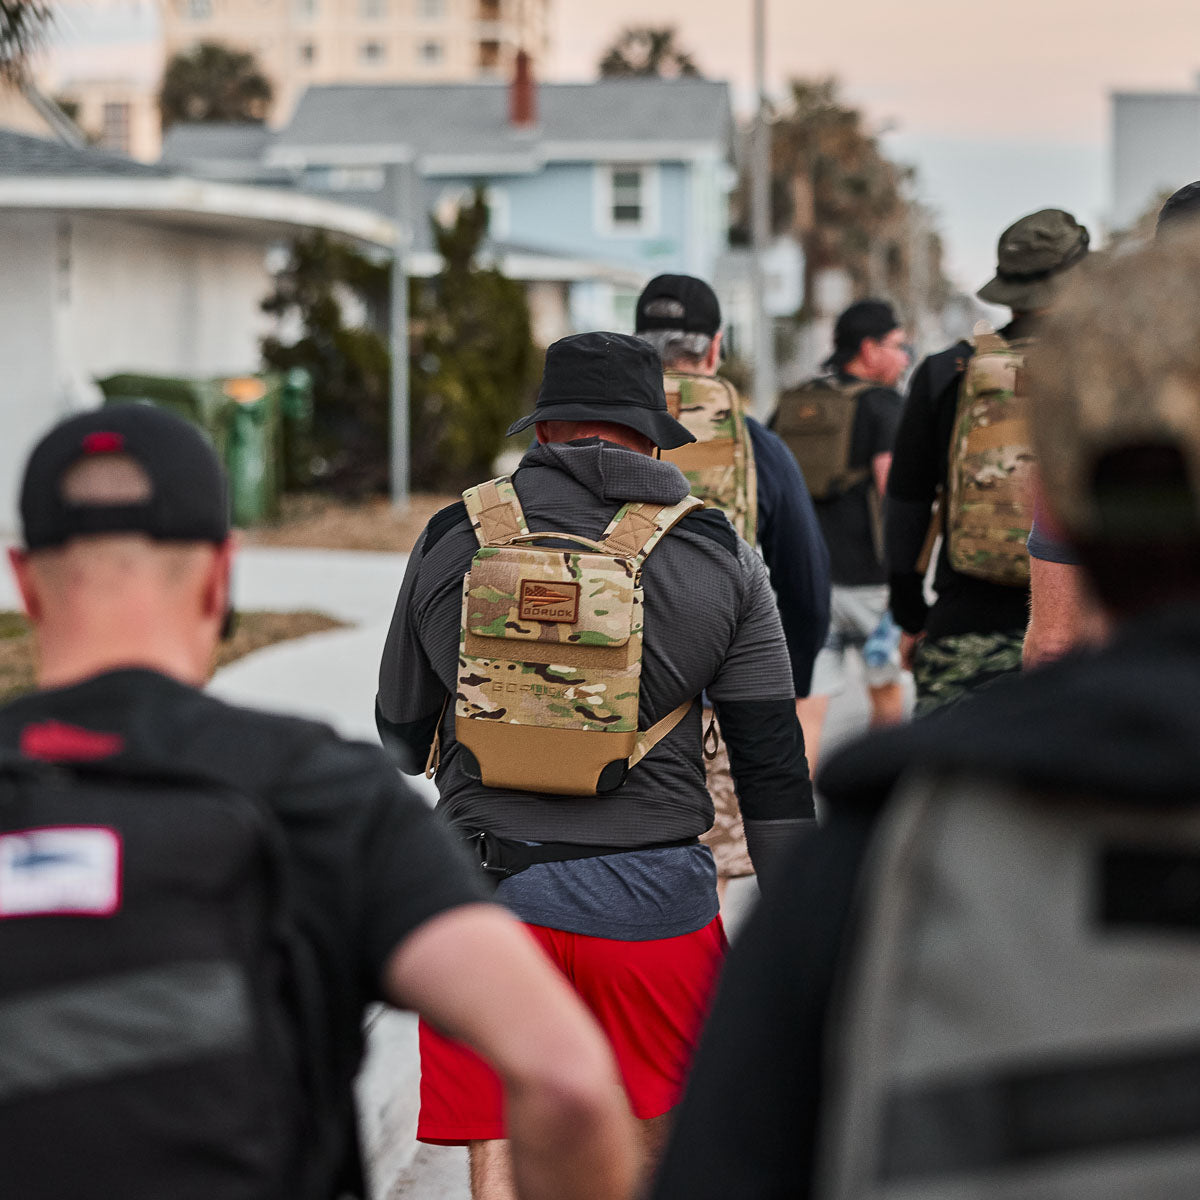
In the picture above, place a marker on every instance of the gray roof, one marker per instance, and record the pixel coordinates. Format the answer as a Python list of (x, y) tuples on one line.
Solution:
[(21, 154), (227, 141), (472, 118)]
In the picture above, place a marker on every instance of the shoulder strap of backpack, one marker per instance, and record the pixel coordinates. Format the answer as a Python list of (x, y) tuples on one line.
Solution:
[(638, 527), (633, 533), (986, 340), (495, 511)]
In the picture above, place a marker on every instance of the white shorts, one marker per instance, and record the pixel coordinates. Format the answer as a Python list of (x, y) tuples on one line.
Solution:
[(855, 614)]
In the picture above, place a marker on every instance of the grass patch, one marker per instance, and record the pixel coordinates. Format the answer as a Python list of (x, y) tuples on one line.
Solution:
[(317, 521), (255, 631)]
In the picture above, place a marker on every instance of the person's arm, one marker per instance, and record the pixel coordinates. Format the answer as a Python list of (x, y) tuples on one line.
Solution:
[(752, 695), (881, 464), (411, 696), (794, 550), (477, 975), (1062, 616), (912, 484)]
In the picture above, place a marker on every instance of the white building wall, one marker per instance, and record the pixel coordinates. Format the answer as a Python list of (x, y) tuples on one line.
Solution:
[(29, 393), (150, 298), (1155, 149), (86, 297)]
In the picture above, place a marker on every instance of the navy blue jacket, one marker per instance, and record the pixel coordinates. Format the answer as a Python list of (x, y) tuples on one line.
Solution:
[(794, 551)]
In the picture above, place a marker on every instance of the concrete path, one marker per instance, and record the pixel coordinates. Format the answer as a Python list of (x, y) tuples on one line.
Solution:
[(332, 677)]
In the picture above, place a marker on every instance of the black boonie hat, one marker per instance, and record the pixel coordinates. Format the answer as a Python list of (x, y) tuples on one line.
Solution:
[(683, 302), (606, 377), (188, 492)]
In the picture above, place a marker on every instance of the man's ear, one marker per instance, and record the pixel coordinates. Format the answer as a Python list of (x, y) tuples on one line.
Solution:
[(18, 560), (712, 360), (217, 598)]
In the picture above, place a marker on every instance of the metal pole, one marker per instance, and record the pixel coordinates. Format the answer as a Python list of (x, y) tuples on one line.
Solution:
[(400, 179), (760, 223)]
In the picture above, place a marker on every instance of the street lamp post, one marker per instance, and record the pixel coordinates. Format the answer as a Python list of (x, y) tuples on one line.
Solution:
[(400, 179), (760, 224)]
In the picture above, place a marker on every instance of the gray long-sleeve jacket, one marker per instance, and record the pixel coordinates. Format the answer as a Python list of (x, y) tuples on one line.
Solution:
[(711, 624)]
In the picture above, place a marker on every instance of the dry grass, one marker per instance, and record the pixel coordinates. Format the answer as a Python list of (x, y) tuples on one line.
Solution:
[(313, 521), (255, 630)]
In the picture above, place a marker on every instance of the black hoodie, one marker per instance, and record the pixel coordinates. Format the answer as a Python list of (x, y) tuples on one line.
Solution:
[(1120, 724)]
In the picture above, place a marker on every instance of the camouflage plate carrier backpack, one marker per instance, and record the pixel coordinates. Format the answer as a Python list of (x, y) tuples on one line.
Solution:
[(1017, 1016), (550, 652), (989, 509), (719, 465), (816, 423)]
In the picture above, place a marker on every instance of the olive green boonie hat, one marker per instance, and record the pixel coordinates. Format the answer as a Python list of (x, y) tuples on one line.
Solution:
[(1032, 258)]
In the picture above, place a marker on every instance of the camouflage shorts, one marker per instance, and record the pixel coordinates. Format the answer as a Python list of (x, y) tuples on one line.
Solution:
[(727, 838), (949, 668)]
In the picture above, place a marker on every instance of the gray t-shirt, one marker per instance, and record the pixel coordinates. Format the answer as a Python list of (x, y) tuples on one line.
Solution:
[(711, 622)]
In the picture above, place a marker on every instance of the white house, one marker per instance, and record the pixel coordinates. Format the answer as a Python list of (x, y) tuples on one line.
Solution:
[(111, 265)]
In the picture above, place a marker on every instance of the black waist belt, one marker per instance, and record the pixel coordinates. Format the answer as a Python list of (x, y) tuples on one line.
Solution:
[(503, 857)]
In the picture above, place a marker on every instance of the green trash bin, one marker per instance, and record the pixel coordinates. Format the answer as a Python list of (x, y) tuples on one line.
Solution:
[(252, 448), (240, 415), (200, 401), (296, 408)]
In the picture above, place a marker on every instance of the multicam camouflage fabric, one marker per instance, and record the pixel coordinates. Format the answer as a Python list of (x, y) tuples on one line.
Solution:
[(990, 508), (502, 686), (719, 466), (551, 641)]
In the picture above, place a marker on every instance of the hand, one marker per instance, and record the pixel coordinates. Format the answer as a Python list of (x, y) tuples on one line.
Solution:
[(908, 648)]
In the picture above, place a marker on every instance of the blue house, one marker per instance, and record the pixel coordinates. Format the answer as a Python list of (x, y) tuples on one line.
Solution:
[(593, 186)]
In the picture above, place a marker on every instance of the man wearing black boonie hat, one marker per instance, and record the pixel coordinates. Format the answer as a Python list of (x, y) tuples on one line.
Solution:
[(974, 631), (615, 886), (199, 902)]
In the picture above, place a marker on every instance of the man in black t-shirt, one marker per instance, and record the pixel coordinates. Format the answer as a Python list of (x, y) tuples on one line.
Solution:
[(125, 577), (869, 347)]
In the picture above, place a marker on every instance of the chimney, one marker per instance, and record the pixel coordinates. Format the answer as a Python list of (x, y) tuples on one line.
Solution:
[(522, 94)]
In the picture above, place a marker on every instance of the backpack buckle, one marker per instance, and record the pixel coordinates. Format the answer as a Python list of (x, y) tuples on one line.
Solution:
[(489, 851)]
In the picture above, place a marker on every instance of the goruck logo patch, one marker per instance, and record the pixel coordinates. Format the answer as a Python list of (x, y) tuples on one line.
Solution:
[(542, 601)]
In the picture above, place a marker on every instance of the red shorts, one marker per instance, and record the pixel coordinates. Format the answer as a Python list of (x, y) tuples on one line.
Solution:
[(650, 998)]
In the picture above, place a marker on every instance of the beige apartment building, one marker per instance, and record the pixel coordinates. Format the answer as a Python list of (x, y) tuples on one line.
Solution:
[(303, 42)]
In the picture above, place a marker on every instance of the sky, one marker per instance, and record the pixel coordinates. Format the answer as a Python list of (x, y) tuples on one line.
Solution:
[(1002, 107)]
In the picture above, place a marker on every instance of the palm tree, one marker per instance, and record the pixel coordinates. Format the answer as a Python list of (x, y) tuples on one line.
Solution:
[(211, 82), (22, 26), (647, 50)]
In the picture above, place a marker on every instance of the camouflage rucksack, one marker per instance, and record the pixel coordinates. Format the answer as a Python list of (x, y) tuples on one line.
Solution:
[(719, 465), (550, 650), (816, 423), (989, 508)]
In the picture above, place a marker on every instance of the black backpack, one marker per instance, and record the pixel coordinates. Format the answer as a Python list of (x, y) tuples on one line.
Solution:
[(154, 999)]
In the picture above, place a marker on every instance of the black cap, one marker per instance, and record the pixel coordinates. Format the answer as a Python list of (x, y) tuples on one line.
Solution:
[(188, 499), (1180, 208), (864, 319), (606, 377), (680, 302)]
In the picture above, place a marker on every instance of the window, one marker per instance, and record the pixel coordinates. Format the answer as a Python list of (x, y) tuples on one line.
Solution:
[(431, 10), (114, 127), (307, 53), (372, 10), (489, 56), (430, 53), (198, 10), (627, 199), (306, 9), (371, 52)]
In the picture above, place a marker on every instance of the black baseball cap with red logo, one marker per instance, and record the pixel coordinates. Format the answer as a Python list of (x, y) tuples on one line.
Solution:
[(188, 498)]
